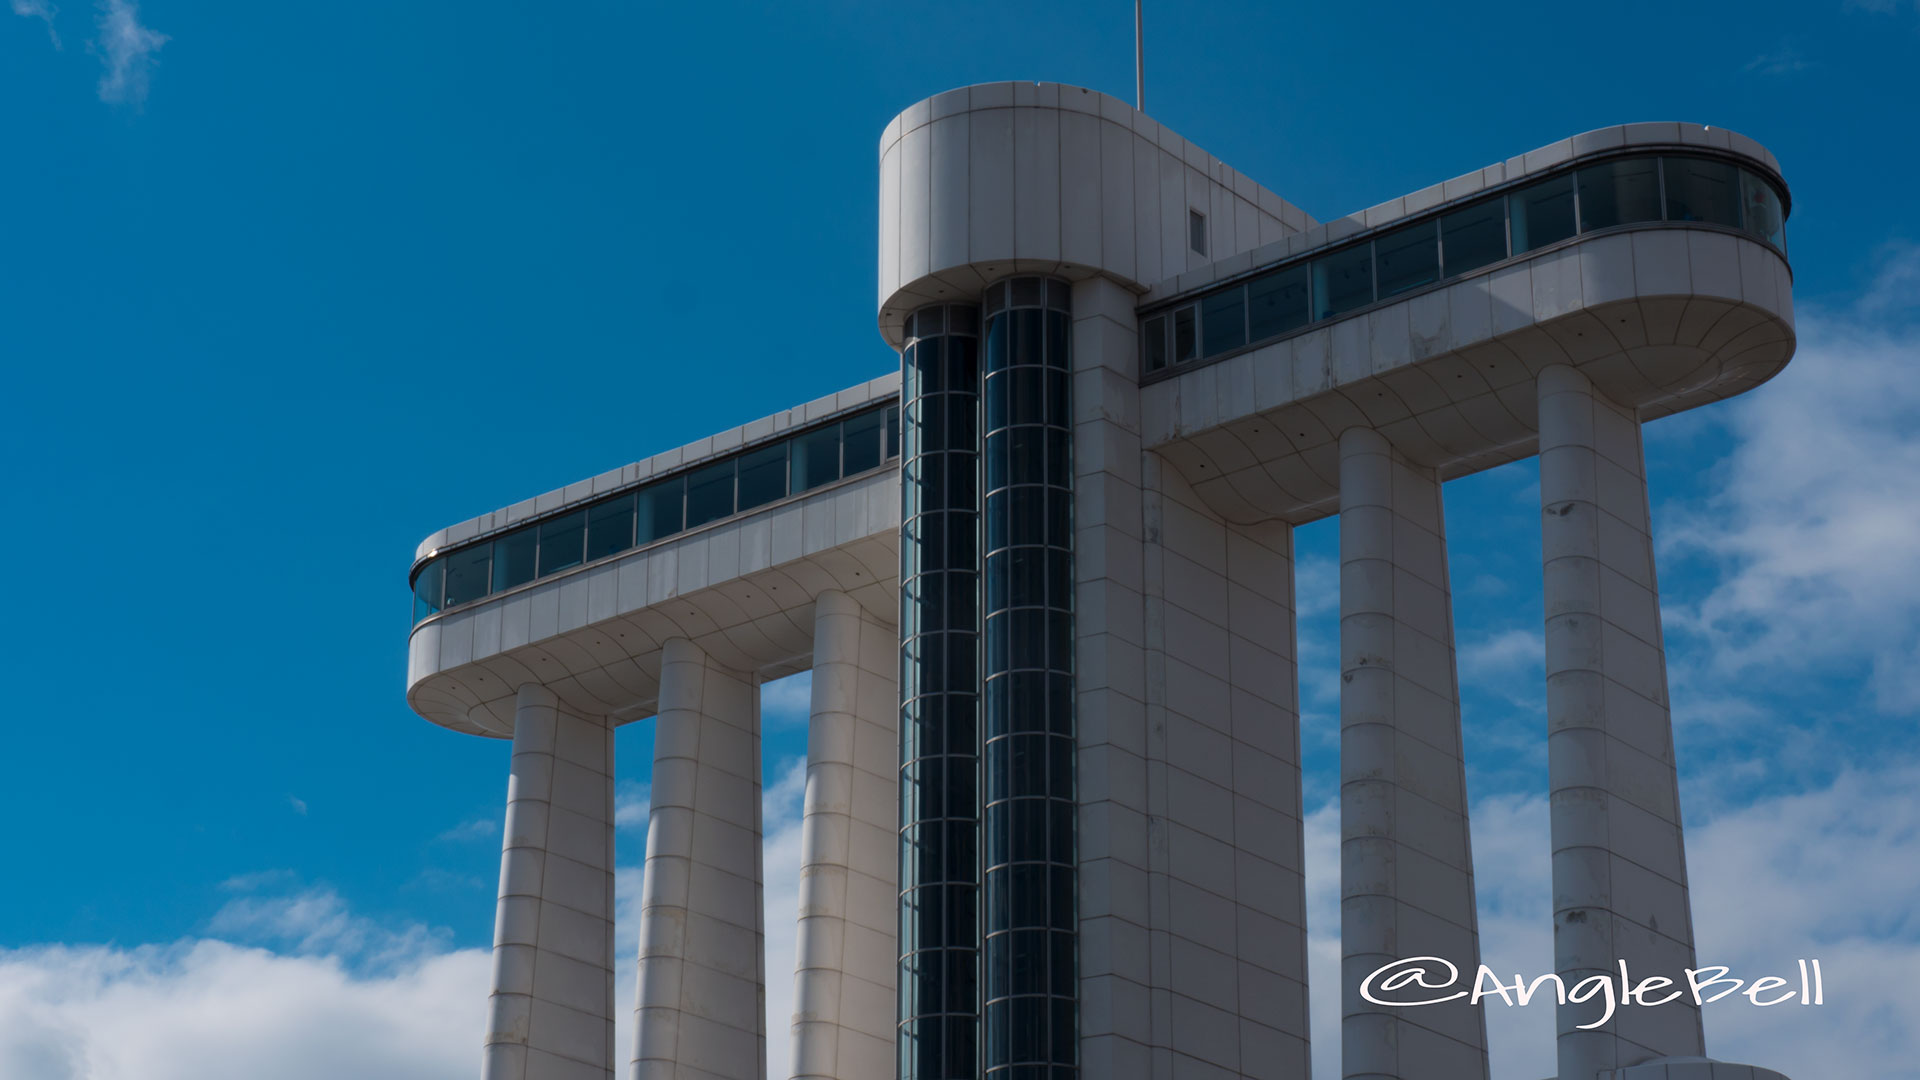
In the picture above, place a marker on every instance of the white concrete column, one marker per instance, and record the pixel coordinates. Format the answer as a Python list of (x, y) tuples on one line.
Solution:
[(846, 970), (700, 1011), (1406, 866), (1619, 868), (551, 1015)]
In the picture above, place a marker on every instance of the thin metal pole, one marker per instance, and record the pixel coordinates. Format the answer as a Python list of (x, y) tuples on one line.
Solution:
[(1139, 61)]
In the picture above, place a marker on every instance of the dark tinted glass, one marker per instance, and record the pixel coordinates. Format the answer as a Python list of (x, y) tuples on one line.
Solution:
[(1618, 193), (660, 512), (1277, 303), (1702, 190), (562, 542), (861, 442), (1473, 237), (1342, 281), (513, 559), (763, 475), (427, 589), (709, 494), (609, 527), (469, 574), (1185, 340), (1761, 210), (1542, 214), (1407, 258), (816, 458), (1223, 321), (1154, 354), (893, 432)]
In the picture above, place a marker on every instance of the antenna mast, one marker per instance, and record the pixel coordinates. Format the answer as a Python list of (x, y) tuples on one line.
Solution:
[(1139, 61)]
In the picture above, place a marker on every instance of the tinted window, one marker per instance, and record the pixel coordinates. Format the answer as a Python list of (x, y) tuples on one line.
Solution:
[(1277, 303), (763, 475), (426, 589), (562, 542), (1184, 339), (1761, 210), (1155, 345), (659, 510), (1619, 193), (709, 494), (1542, 214), (1407, 258), (1701, 190), (861, 446), (816, 458), (469, 574), (1473, 237), (1223, 321), (513, 559), (1342, 281), (610, 528)]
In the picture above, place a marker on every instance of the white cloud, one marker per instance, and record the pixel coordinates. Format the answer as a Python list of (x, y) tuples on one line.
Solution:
[(210, 1010), (126, 50), (1830, 874), (283, 974), (1503, 655), (630, 803), (787, 701), (42, 10), (476, 829), (1818, 508)]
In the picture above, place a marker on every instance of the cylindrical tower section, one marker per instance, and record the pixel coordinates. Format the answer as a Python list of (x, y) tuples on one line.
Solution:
[(939, 695), (1028, 923)]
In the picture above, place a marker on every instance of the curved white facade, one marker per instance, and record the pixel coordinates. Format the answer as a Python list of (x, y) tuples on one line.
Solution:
[(1041, 248)]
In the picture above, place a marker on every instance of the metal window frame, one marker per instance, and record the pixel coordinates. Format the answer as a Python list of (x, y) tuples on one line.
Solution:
[(1658, 153)]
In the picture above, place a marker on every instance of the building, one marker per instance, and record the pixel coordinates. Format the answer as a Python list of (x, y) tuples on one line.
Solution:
[(1044, 582)]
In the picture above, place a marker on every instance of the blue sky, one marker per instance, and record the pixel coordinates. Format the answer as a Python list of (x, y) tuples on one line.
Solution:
[(287, 287)]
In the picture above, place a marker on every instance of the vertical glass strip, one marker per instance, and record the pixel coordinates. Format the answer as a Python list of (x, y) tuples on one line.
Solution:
[(939, 692), (1029, 915)]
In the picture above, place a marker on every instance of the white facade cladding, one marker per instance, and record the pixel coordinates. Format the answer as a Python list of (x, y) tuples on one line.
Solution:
[(1053, 812)]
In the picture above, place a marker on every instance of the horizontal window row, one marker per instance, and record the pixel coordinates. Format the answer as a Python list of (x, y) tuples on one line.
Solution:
[(1019, 1040), (932, 852), (940, 365), (804, 461), (939, 482), (937, 982), (1028, 830), (940, 788), (932, 663), (1621, 191), (1027, 338), (939, 728), (1033, 958), (1029, 515), (1029, 764), (1029, 638), (937, 1047)]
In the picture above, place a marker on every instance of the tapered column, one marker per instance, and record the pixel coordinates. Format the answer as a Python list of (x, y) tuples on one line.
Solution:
[(1406, 867), (1619, 870), (551, 1015), (843, 1019), (701, 1007)]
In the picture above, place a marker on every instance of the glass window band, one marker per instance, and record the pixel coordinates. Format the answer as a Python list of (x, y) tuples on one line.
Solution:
[(1461, 239), (658, 510)]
